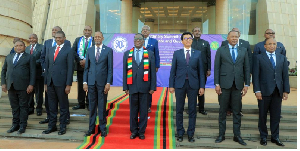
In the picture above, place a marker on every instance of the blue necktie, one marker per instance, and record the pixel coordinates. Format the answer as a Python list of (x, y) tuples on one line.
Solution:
[(233, 55), (137, 59), (17, 58), (272, 61), (54, 44)]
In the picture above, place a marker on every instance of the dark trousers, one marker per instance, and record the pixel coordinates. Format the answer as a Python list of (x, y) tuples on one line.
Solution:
[(19, 103), (201, 99), (273, 104), (82, 96), (180, 94), (138, 105), (224, 99), (38, 93), (97, 100), (57, 96), (149, 100)]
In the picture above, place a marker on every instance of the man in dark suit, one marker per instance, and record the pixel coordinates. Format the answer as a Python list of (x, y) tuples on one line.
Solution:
[(139, 79), (58, 82), (13, 48), (80, 47), (97, 78), (271, 85), (151, 44), (204, 47), (245, 44), (35, 50), (47, 45), (18, 77), (186, 78), (232, 71)]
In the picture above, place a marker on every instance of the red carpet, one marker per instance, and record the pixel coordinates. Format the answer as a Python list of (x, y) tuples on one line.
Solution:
[(159, 133)]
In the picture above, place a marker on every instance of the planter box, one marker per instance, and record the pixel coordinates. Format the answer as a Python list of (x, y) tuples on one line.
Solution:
[(293, 81)]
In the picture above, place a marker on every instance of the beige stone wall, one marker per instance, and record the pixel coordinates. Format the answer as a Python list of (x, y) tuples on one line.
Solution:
[(71, 16), (39, 18), (222, 17), (16, 21)]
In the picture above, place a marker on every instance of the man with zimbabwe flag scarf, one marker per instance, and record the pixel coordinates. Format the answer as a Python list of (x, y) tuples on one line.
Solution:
[(139, 79), (80, 47)]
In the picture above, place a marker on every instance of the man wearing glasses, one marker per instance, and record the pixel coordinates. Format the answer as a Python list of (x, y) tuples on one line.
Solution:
[(186, 78)]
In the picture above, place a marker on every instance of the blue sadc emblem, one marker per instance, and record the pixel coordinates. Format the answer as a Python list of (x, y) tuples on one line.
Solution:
[(120, 44)]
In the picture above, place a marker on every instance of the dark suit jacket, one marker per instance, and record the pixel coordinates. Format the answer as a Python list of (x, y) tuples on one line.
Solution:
[(101, 71), (138, 84), (76, 56), (12, 50), (204, 47), (266, 79), (226, 71), (153, 46), (245, 44), (36, 55), (21, 75), (59, 71), (47, 46), (194, 70)]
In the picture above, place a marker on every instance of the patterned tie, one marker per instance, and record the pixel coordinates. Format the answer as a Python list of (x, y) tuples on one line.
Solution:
[(187, 57), (233, 55), (17, 58), (56, 52), (272, 61), (31, 50), (97, 54), (137, 57)]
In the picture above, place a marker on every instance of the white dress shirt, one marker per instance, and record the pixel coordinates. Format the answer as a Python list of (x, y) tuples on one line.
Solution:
[(16, 56), (99, 49), (146, 41), (186, 52), (274, 56), (59, 48)]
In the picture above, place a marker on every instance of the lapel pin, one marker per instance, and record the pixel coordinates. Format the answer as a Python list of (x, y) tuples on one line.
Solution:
[(203, 44)]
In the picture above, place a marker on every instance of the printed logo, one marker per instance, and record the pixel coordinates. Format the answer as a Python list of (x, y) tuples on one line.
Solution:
[(120, 44), (214, 45)]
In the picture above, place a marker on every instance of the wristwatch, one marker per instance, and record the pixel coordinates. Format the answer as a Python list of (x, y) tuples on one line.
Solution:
[(217, 85)]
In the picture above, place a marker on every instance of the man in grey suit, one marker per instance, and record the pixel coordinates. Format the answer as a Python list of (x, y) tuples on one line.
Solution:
[(271, 86), (58, 82), (97, 78), (18, 77), (139, 79), (35, 50), (232, 71)]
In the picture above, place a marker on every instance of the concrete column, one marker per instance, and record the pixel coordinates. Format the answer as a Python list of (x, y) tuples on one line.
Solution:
[(211, 16), (126, 16), (150, 23), (135, 17), (195, 22), (222, 15)]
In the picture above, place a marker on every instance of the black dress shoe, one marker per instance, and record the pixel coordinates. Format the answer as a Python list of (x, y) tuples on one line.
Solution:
[(30, 112), (46, 120), (38, 113), (78, 107), (103, 134), (142, 136), (50, 130), (133, 136), (191, 139), (203, 112), (180, 138), (239, 140), (68, 121), (89, 133), (21, 130), (263, 141), (13, 128), (62, 131), (277, 142), (220, 139)]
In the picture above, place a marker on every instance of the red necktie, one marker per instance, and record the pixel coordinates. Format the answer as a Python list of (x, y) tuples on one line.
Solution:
[(56, 52), (31, 50)]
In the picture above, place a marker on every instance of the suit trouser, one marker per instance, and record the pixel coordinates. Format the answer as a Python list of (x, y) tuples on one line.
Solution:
[(149, 100), (57, 96), (38, 92), (97, 101), (82, 96), (19, 103), (201, 99), (138, 105), (180, 94), (224, 99), (273, 104)]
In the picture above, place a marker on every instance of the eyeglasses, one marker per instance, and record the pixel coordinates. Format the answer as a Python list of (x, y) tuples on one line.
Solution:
[(273, 33), (140, 39), (190, 38)]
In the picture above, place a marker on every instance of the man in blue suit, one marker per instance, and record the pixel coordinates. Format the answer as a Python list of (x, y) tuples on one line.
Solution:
[(186, 78), (271, 85), (151, 44), (139, 80), (58, 82), (97, 78), (47, 45)]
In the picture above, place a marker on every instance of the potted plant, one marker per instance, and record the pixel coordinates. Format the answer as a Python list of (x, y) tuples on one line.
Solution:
[(293, 77)]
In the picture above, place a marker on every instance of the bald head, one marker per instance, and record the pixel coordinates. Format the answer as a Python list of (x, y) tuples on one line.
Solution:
[(269, 33), (237, 30), (87, 31), (55, 29), (33, 39)]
